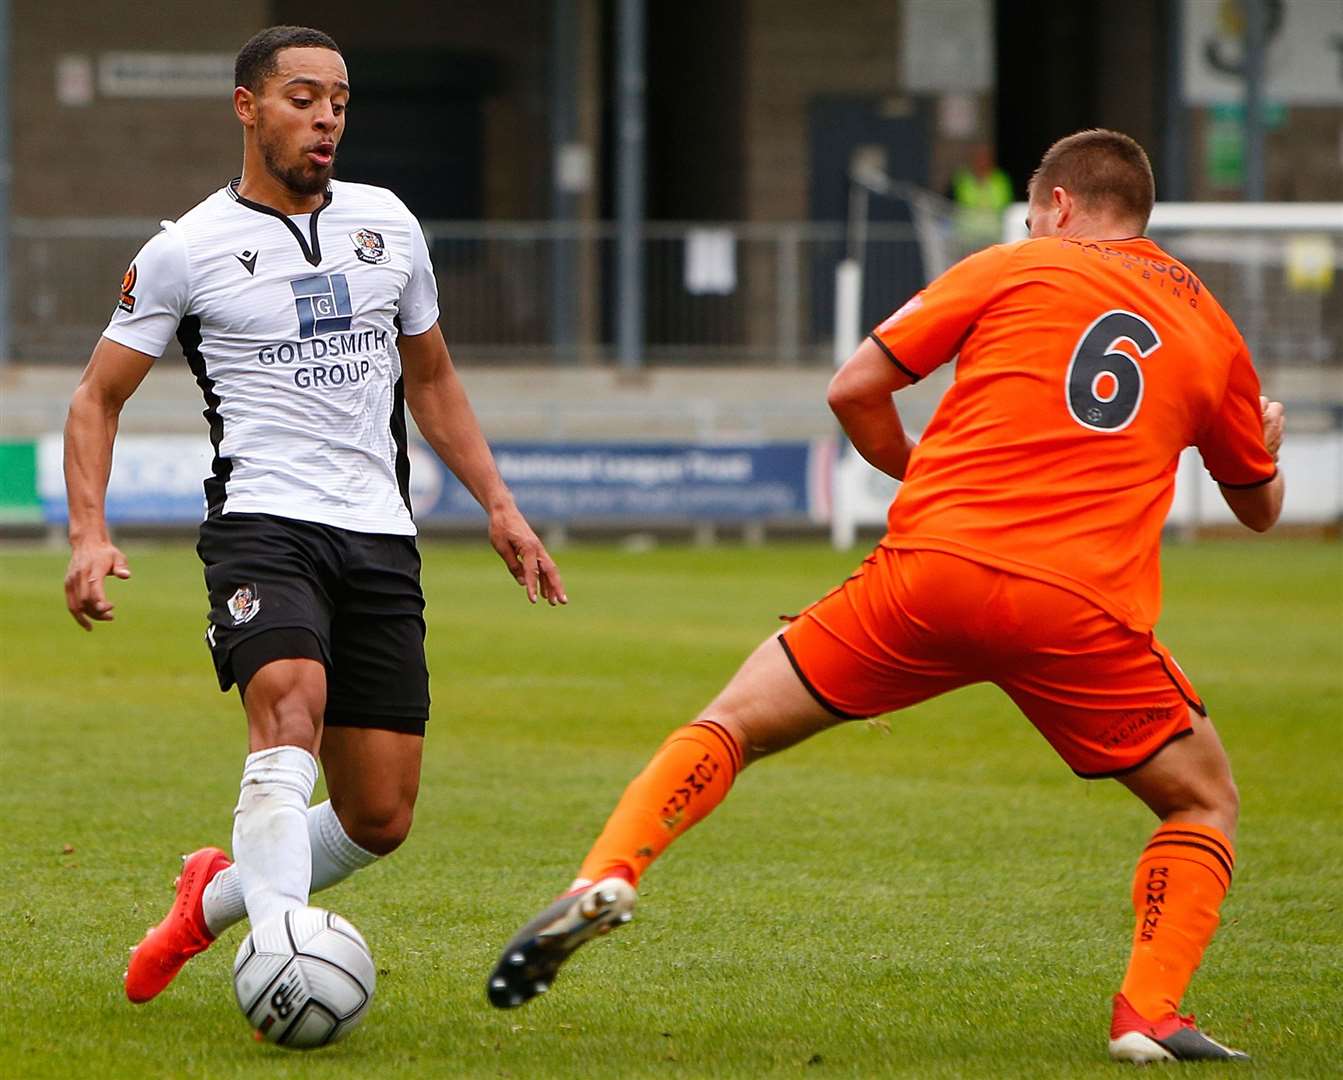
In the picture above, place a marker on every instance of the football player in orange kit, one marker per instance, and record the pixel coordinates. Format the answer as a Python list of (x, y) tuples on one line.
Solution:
[(1022, 550)]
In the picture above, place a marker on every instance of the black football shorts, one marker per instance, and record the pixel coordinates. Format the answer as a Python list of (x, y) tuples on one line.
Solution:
[(282, 588)]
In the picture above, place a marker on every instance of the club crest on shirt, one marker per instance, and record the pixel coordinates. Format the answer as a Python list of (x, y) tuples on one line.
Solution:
[(244, 604), (127, 301), (368, 245)]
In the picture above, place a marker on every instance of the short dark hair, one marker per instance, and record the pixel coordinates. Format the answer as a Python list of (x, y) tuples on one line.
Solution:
[(256, 60), (1099, 167)]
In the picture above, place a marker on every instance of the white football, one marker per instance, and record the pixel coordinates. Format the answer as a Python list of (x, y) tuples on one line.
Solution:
[(304, 979)]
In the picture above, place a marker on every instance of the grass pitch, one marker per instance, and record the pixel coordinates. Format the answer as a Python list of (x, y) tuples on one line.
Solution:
[(946, 900)]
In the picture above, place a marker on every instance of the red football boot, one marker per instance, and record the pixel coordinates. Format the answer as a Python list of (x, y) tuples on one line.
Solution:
[(1135, 1038), (182, 933)]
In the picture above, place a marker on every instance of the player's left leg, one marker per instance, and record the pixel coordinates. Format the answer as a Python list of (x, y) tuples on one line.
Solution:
[(378, 705), (852, 655), (1114, 703), (373, 778)]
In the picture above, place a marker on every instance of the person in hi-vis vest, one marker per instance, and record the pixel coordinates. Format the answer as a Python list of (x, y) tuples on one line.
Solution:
[(981, 191)]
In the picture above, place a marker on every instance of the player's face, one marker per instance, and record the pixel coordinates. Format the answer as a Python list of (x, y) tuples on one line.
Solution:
[(300, 117)]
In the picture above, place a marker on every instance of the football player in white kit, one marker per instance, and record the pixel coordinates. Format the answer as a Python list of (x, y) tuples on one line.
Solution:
[(308, 312)]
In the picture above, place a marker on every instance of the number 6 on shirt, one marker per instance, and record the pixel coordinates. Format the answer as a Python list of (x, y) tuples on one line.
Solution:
[(1104, 385)]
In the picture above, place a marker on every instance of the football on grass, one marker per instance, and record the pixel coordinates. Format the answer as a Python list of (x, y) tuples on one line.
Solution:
[(304, 979)]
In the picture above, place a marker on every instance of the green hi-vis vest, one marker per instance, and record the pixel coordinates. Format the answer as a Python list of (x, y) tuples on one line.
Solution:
[(993, 192)]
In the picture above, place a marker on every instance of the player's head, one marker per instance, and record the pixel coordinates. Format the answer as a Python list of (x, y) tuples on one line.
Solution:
[(290, 93), (1093, 180)]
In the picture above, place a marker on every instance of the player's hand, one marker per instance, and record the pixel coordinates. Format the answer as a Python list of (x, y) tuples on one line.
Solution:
[(1274, 421), (526, 557), (84, 595)]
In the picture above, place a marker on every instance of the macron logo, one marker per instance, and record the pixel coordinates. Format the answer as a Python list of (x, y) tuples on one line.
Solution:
[(248, 260)]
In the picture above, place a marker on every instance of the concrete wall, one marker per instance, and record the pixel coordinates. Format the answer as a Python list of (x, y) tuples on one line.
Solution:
[(137, 157), (795, 51), (119, 156), (156, 158)]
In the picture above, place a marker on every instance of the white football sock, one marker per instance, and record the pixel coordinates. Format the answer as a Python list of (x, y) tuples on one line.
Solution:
[(334, 855), (270, 831), (334, 858)]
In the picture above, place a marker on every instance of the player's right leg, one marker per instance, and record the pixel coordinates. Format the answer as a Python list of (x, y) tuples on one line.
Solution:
[(764, 708), (268, 582), (847, 657), (183, 933), (284, 702)]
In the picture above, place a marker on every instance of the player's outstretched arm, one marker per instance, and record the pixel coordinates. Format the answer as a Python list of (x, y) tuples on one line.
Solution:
[(444, 416), (113, 373), (1259, 507), (860, 397)]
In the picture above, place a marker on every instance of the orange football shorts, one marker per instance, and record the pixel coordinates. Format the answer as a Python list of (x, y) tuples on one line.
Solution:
[(910, 625)]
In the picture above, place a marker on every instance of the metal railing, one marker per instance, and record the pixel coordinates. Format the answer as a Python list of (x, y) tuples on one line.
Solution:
[(716, 293), (533, 292)]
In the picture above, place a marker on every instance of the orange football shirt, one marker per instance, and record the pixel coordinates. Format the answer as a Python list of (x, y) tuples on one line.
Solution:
[(1084, 369)]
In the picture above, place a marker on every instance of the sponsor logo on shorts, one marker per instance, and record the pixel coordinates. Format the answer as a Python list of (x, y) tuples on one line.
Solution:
[(244, 604), (1132, 727)]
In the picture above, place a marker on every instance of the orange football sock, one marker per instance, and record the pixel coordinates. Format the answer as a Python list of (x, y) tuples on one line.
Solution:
[(688, 776), (1182, 876)]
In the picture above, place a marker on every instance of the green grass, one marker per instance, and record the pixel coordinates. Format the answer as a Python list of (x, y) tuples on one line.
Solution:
[(946, 900)]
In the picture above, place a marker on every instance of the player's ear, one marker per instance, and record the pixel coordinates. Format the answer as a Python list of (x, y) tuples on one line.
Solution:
[(244, 105), (1062, 204)]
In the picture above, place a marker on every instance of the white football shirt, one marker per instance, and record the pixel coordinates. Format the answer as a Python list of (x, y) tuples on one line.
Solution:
[(290, 326)]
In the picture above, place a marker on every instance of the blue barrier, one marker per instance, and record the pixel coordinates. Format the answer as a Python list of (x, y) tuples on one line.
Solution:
[(156, 480), (630, 483)]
